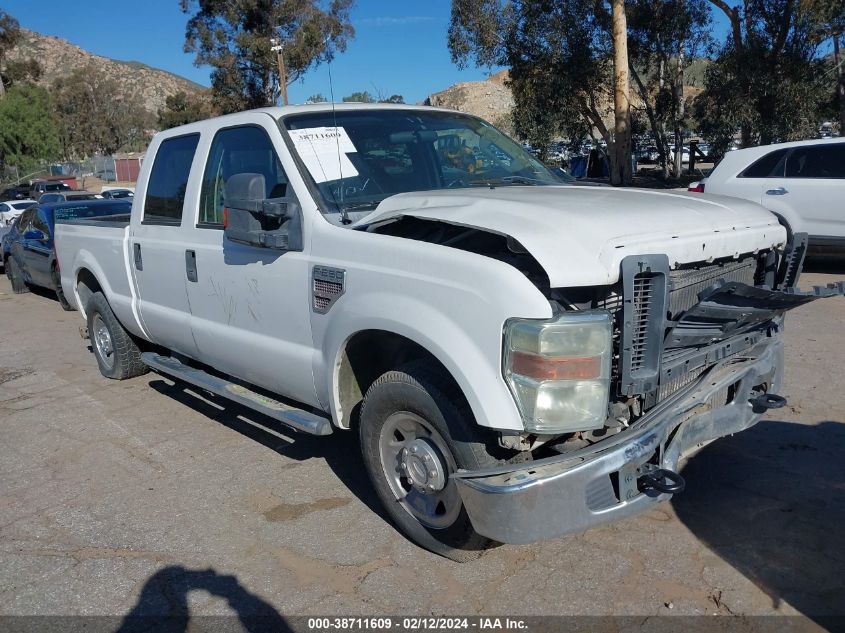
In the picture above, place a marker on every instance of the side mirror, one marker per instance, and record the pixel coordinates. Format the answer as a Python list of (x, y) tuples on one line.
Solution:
[(34, 234), (253, 219)]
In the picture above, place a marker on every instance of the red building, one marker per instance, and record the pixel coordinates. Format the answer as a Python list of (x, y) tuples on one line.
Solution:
[(127, 166)]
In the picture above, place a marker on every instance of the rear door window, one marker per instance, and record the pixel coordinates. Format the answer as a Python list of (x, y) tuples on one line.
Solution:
[(168, 182), (817, 161), (769, 166)]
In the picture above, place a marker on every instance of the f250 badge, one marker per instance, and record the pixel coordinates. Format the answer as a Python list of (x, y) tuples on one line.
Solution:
[(327, 286)]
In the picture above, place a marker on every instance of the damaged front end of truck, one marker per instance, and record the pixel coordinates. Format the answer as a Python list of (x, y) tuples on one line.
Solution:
[(696, 355)]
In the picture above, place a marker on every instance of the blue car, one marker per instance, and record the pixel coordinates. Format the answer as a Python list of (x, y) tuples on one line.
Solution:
[(29, 256)]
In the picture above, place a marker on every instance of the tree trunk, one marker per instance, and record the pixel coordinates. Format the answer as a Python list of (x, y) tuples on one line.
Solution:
[(620, 163), (840, 85), (679, 113)]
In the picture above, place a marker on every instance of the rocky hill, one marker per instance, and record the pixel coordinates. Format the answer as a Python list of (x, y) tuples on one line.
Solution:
[(489, 99), (59, 58)]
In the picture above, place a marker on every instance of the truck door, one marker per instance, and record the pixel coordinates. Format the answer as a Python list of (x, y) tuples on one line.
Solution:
[(157, 243), (250, 310)]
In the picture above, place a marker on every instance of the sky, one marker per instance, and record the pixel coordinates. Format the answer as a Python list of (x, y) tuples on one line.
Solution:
[(399, 46)]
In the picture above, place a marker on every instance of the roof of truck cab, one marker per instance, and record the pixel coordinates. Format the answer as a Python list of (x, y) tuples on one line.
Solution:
[(279, 111)]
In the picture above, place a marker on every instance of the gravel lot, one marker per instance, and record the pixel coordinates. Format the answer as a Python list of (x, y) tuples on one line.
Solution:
[(144, 496)]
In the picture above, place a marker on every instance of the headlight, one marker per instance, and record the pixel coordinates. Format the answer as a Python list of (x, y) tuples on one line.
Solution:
[(559, 370)]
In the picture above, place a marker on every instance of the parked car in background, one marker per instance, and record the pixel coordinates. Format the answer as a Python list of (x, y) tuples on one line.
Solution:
[(68, 196), (29, 256), (116, 194), (40, 187), (803, 182), (11, 209), (18, 192)]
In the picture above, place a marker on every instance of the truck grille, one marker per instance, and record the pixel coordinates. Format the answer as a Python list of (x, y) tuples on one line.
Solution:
[(686, 284), (643, 295), (654, 296)]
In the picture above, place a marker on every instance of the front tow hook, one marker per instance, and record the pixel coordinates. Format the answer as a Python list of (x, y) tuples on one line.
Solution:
[(656, 479), (766, 401)]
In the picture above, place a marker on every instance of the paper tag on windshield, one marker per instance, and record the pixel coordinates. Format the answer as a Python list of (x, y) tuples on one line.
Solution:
[(324, 151)]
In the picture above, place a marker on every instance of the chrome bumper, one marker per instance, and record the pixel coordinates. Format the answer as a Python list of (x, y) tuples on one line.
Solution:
[(523, 503)]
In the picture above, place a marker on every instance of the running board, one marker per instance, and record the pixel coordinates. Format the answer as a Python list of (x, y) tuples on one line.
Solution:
[(291, 416)]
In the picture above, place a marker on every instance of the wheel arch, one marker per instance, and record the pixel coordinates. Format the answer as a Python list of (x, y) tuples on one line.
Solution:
[(363, 357)]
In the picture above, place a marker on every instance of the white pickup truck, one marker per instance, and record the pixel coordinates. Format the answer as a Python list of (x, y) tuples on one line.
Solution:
[(521, 359)]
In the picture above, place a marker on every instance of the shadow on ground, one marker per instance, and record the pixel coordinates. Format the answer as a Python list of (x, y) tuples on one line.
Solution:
[(163, 603), (771, 502), (340, 450)]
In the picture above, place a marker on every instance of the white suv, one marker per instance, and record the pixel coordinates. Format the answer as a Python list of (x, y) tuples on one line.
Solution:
[(803, 182)]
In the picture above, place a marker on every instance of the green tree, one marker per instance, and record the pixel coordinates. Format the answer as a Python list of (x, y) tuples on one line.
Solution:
[(360, 97), (28, 133), (393, 99), (93, 119), (769, 80), (317, 98), (182, 108), (568, 66), (666, 37), (233, 37)]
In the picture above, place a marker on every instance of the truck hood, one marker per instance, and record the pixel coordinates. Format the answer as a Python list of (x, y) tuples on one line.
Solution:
[(579, 235)]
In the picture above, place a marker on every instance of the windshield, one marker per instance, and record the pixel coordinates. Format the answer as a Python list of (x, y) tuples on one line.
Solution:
[(386, 152)]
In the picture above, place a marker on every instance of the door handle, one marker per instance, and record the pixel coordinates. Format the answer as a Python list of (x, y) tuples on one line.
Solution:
[(139, 262), (191, 265), (780, 191)]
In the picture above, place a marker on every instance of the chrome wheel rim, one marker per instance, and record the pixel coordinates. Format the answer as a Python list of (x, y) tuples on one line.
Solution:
[(417, 463), (103, 342)]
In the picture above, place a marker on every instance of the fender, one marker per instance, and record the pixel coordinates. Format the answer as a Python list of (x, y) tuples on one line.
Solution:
[(120, 300), (467, 341)]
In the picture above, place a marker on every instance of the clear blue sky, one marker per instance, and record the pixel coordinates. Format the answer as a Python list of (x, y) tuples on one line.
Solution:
[(399, 47)]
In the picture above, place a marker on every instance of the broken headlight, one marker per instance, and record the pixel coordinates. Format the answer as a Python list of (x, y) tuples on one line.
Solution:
[(558, 370)]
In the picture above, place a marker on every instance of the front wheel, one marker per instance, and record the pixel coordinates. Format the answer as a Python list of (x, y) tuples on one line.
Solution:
[(16, 277), (416, 431), (117, 354)]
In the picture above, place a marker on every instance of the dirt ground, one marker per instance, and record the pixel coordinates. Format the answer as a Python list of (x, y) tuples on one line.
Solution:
[(145, 497)]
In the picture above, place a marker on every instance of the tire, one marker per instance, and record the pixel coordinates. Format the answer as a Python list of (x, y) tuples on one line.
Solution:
[(16, 277), (420, 395), (117, 354), (60, 293)]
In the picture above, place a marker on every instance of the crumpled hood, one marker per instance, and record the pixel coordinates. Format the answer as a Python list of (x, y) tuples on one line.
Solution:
[(580, 235)]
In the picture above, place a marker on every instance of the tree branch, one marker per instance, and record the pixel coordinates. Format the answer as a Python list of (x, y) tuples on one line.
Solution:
[(733, 16)]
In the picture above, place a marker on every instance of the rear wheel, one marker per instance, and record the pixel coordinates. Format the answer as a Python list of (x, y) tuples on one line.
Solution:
[(16, 277), (60, 294), (416, 430), (117, 354)]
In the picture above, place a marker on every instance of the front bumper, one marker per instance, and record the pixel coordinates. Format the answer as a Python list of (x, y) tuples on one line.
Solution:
[(523, 503)]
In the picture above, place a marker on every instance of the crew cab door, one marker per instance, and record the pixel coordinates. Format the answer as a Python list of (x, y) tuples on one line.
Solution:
[(157, 242), (250, 306)]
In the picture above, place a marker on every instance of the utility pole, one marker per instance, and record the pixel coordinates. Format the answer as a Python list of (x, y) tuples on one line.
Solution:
[(277, 46)]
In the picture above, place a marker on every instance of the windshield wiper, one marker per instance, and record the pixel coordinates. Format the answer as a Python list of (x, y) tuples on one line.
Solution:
[(509, 180), (360, 206)]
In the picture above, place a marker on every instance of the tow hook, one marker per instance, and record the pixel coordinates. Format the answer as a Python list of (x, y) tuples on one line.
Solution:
[(659, 479), (767, 401)]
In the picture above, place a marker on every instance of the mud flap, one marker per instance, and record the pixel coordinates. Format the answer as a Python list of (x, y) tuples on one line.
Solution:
[(728, 309)]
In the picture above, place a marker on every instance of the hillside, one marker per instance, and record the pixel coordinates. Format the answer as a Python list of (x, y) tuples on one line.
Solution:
[(492, 100), (59, 58)]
